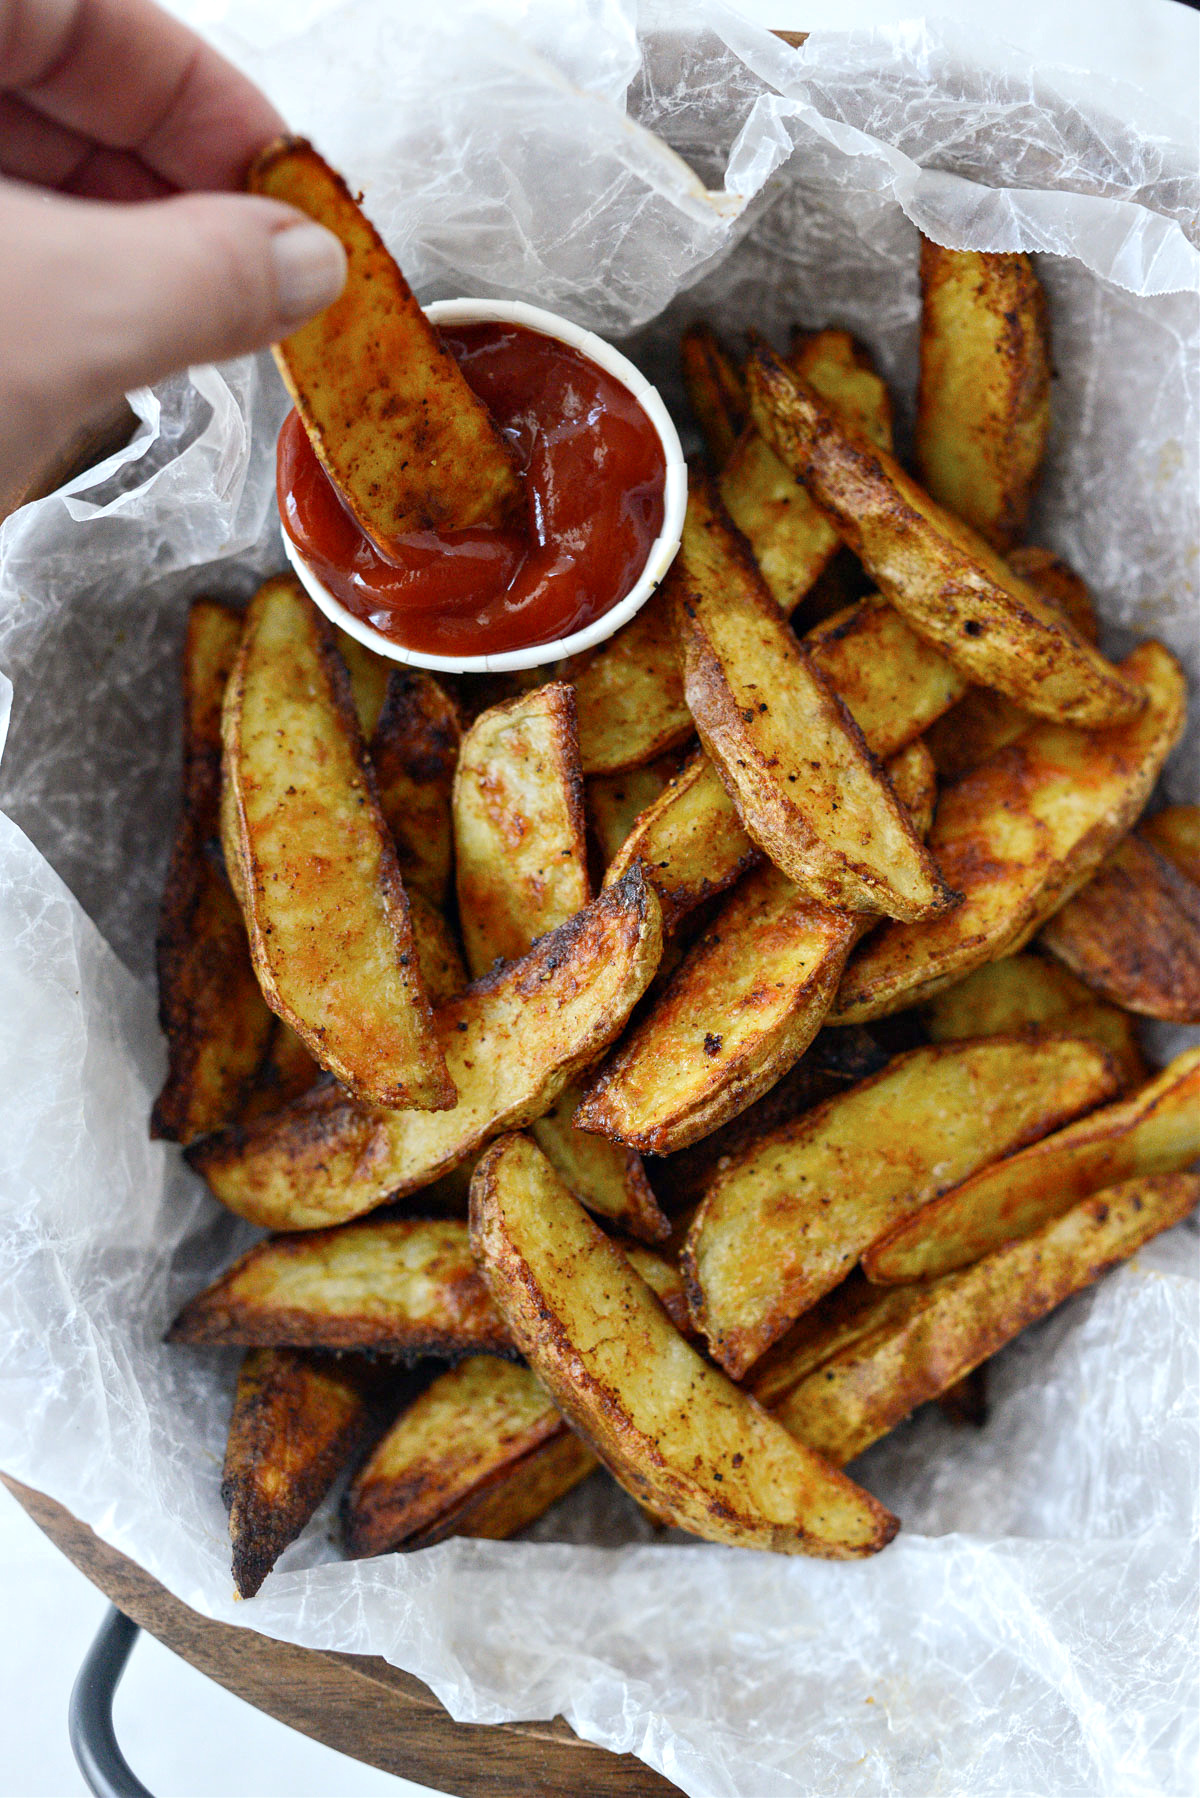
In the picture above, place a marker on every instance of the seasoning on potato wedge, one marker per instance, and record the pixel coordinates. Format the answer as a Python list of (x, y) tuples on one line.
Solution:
[(314, 865), (414, 750), (671, 1429), (605, 1176), (894, 684), (629, 691), (789, 1217)]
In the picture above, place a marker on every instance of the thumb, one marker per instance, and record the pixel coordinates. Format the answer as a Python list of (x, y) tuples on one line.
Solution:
[(96, 298)]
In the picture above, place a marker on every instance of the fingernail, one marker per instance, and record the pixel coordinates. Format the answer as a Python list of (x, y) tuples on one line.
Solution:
[(310, 271)]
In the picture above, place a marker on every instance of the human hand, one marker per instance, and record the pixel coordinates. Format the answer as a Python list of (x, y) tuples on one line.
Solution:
[(126, 250)]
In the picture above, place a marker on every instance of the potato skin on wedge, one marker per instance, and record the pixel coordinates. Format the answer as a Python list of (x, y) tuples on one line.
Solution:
[(671, 1429), (406, 443), (414, 748), (314, 865), (513, 1040), (715, 389), (787, 1219), (949, 584)]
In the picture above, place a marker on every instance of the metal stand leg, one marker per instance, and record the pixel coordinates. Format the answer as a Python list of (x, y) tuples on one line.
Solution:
[(90, 1721)]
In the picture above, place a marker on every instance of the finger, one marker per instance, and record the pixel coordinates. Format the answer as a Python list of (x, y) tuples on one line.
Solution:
[(132, 78), (35, 149)]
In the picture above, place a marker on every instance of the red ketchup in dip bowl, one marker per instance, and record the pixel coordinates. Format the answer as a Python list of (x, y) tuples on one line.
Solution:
[(605, 489)]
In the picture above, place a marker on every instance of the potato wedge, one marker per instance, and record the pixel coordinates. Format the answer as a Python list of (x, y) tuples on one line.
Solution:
[(894, 684), (398, 1286), (792, 540), (519, 832), (1058, 584), (1029, 994), (671, 1429), (913, 1342), (438, 958), (715, 390), (1155, 1131), (914, 782), (791, 757), (951, 587), (1016, 837), (513, 1040), (286, 1070), (369, 675), (629, 691), (1175, 833), (786, 1220), (605, 1176), (665, 1281), (1151, 966), (414, 749), (297, 1420), (614, 802), (215, 1020), (313, 865), (403, 438), (690, 842), (481, 1451), (983, 401)]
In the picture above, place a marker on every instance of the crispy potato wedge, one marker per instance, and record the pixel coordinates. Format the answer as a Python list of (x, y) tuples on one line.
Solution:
[(1058, 584), (438, 957), (949, 584), (520, 837), (215, 1020), (1016, 838), (914, 782), (398, 1286), (313, 864), (513, 1040), (665, 1281), (297, 1420), (286, 1070), (690, 842), (481, 1451), (414, 749), (629, 691), (894, 683), (1033, 996), (615, 802), (672, 1430), (605, 1176), (1175, 833), (983, 401), (368, 674), (1155, 1131), (403, 438), (1151, 966), (793, 541), (715, 390), (786, 1220), (791, 757), (913, 1342)]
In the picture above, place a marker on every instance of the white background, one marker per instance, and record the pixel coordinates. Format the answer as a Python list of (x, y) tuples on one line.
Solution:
[(184, 1736)]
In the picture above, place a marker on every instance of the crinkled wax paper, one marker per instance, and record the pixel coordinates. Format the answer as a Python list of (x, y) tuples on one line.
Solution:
[(1032, 1630)]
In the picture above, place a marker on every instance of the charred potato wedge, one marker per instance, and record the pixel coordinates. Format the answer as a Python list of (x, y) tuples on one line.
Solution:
[(513, 1040), (519, 832), (1175, 833), (605, 1176), (950, 585), (1016, 837), (394, 424), (787, 1220), (715, 390), (1155, 1131), (983, 401), (414, 749), (629, 691), (671, 1429)]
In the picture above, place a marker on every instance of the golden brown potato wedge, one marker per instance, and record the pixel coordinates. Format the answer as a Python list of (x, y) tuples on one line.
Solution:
[(894, 683), (368, 680), (1175, 833), (792, 540), (403, 438), (629, 691), (665, 1281), (791, 757), (520, 838), (1034, 996), (286, 1070), (715, 390), (951, 587), (605, 1176), (672, 1430), (438, 957), (481, 1451), (1155, 1131), (513, 1040), (786, 1220), (911, 1343), (914, 782), (1132, 934), (414, 748), (399, 1286), (1016, 837), (1058, 584), (983, 402), (216, 1021), (297, 1420), (614, 802), (313, 864), (690, 842)]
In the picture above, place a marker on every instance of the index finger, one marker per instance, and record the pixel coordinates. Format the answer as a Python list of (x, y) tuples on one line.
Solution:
[(130, 77)]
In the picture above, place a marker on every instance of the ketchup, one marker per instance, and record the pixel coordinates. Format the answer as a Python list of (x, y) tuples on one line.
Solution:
[(593, 474)]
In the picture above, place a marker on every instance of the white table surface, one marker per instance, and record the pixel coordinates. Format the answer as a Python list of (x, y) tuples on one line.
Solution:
[(184, 1736)]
